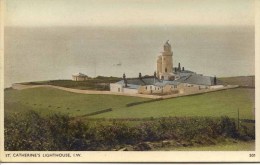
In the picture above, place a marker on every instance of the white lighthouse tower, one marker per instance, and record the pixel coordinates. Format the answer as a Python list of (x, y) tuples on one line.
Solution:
[(165, 63)]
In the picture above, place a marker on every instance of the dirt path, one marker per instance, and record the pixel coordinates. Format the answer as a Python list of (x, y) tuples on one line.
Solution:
[(21, 87)]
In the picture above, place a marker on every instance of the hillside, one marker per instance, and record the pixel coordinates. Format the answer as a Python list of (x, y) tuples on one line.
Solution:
[(192, 122), (221, 103), (48, 100), (242, 81)]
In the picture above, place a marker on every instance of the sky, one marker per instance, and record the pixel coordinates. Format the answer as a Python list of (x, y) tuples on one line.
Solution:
[(128, 12)]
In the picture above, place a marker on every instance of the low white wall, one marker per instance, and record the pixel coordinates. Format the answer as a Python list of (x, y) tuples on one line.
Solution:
[(216, 86), (114, 87), (130, 91)]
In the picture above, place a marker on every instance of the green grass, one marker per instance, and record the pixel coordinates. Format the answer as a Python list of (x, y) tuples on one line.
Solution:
[(48, 100), (98, 83), (215, 104), (212, 104), (224, 146)]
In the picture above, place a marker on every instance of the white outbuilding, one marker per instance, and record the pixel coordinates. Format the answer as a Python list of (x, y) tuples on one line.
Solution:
[(79, 77)]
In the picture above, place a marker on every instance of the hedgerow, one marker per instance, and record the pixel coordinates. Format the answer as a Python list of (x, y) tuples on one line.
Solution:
[(57, 132)]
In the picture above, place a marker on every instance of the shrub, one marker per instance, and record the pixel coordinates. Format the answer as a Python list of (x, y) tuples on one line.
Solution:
[(58, 132), (228, 127), (26, 131), (33, 132)]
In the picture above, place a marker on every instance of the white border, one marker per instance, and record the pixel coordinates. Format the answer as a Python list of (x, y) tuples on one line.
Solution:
[(143, 156)]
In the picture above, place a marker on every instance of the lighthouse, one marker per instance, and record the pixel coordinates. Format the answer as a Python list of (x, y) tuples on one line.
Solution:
[(165, 63)]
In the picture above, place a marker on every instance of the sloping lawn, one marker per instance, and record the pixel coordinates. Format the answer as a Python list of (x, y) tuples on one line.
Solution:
[(49, 100), (214, 104)]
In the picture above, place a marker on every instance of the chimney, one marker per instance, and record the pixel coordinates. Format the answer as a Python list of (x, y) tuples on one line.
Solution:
[(215, 80), (154, 77), (179, 66), (140, 75), (182, 68), (125, 81), (154, 74)]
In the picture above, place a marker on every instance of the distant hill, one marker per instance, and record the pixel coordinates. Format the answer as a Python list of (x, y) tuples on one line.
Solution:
[(242, 81)]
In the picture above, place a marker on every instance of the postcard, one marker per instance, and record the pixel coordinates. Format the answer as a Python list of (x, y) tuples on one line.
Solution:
[(129, 81)]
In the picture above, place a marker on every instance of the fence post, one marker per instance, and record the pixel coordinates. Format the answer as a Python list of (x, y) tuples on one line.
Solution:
[(238, 119)]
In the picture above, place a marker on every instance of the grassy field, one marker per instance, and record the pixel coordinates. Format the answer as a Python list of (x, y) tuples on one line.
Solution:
[(212, 104), (224, 146), (49, 100), (98, 83), (242, 81)]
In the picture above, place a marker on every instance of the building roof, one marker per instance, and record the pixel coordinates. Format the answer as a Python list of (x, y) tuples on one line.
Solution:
[(147, 80), (197, 79), (131, 86), (150, 80), (185, 74), (80, 75), (163, 83), (186, 77), (182, 72)]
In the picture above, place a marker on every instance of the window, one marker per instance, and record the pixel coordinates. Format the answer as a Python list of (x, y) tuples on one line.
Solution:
[(146, 87), (166, 70), (118, 89)]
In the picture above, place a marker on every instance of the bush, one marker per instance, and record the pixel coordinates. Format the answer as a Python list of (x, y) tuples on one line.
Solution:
[(247, 131), (228, 127), (33, 132), (26, 131)]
